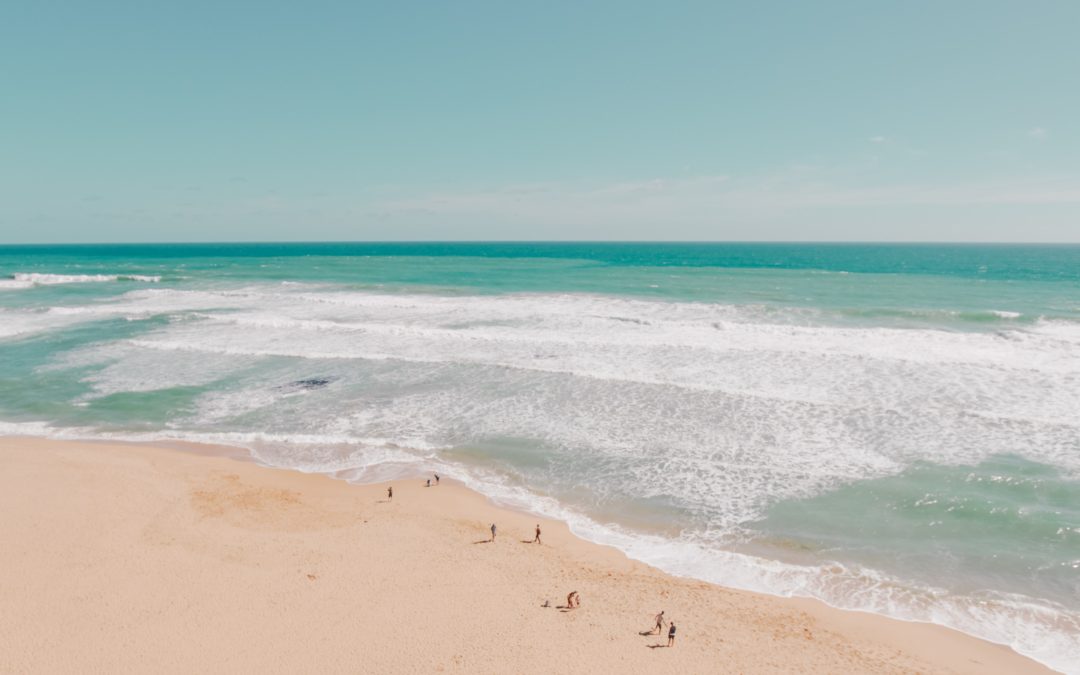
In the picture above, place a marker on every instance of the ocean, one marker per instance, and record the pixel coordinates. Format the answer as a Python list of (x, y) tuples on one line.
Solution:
[(892, 428)]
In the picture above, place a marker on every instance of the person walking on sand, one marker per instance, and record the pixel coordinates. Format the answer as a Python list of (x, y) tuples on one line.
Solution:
[(390, 493), (536, 539), (436, 479), (671, 634), (659, 622), (493, 532)]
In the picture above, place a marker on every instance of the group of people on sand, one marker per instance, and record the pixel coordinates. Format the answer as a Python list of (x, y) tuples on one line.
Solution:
[(573, 600), (660, 627), (390, 488), (536, 538)]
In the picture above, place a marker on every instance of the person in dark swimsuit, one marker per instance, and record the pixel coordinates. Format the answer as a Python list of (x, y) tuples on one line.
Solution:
[(390, 493), (493, 532), (536, 539), (671, 634)]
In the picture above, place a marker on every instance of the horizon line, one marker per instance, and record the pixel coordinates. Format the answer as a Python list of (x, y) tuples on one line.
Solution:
[(544, 241)]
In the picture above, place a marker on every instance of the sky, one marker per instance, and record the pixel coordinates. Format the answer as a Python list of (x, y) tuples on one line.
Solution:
[(950, 120)]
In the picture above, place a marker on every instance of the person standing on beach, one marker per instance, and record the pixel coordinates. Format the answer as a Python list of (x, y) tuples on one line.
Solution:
[(671, 634), (390, 493), (436, 479), (536, 539), (493, 532), (659, 622)]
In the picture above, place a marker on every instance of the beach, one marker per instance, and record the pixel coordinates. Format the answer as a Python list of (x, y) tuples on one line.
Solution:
[(770, 321), (133, 558)]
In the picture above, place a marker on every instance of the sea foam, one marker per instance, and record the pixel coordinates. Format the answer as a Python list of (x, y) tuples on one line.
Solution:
[(38, 278)]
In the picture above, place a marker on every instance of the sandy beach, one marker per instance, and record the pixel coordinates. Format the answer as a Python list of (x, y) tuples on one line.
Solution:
[(124, 558)]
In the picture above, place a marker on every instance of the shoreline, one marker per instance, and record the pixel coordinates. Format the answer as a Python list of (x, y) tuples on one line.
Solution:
[(358, 579)]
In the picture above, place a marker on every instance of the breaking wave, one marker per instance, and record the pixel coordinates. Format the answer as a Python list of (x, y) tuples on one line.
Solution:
[(30, 279)]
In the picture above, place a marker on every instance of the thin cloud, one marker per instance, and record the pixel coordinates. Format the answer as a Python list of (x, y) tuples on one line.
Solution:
[(1038, 133), (695, 199)]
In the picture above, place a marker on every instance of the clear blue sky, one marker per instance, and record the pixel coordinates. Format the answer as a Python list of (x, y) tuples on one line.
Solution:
[(193, 121)]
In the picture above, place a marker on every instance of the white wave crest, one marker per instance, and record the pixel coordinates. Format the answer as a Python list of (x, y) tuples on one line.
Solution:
[(42, 279)]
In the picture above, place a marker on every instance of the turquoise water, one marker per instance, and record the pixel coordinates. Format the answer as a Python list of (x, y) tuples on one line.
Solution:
[(1003, 523), (892, 428)]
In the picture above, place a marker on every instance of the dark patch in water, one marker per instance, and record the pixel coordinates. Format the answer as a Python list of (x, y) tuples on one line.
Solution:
[(307, 383), (623, 319)]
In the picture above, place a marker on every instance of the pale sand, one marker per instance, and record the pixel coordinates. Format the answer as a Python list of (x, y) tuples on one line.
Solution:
[(119, 558)]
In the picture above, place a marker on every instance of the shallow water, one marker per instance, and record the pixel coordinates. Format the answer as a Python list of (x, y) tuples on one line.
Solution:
[(892, 428)]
